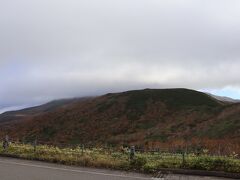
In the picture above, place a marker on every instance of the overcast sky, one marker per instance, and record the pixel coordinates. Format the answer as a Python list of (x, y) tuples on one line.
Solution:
[(52, 49)]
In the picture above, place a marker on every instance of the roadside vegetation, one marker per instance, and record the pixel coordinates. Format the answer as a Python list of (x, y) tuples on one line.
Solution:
[(115, 159)]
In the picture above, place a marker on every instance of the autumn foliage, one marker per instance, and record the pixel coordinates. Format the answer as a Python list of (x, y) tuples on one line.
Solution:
[(151, 119)]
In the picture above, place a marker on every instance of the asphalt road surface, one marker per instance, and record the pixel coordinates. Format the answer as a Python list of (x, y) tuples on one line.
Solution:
[(16, 169)]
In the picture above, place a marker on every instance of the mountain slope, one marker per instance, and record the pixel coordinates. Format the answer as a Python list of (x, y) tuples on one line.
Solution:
[(164, 118), (130, 117), (37, 110), (225, 99)]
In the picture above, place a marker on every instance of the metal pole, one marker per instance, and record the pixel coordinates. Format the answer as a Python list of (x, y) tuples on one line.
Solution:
[(132, 153), (35, 145)]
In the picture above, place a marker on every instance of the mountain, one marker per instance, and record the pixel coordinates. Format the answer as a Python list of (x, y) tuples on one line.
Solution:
[(225, 99), (37, 110), (141, 117)]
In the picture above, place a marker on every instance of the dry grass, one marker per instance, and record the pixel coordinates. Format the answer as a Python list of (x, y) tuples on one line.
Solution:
[(144, 162)]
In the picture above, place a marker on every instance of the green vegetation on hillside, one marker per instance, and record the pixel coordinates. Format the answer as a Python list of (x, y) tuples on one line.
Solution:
[(176, 98), (223, 127)]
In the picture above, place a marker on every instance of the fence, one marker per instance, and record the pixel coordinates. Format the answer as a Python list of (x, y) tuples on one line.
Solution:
[(130, 150), (129, 159), (106, 147)]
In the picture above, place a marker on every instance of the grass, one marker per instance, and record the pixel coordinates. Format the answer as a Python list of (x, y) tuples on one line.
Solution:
[(102, 158)]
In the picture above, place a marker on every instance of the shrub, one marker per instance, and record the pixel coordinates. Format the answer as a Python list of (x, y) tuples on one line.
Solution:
[(138, 162)]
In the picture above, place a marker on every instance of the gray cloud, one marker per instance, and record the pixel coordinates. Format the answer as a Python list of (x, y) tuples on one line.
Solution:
[(63, 48)]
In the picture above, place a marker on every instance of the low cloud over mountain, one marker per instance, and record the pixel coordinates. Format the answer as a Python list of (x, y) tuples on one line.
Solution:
[(51, 49)]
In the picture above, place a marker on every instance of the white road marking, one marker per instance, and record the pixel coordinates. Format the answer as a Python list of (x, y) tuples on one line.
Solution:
[(72, 170)]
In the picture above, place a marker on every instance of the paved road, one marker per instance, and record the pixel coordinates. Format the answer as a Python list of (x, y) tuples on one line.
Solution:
[(16, 169)]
